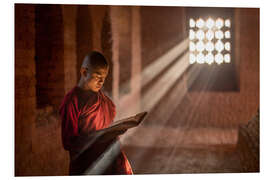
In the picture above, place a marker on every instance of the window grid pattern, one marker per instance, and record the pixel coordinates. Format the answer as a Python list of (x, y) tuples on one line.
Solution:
[(209, 41)]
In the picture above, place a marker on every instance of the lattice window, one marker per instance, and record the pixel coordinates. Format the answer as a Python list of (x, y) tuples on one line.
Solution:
[(210, 41)]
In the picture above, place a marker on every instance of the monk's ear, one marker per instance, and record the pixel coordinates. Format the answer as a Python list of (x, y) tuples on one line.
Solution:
[(83, 72)]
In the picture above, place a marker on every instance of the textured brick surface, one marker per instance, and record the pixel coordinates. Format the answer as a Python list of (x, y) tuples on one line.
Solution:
[(162, 28), (70, 47), (248, 146), (25, 102), (47, 52), (84, 31), (49, 55), (48, 155), (106, 46), (121, 24), (229, 109)]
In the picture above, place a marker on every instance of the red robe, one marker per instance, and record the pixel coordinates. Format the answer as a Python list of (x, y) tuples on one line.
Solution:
[(84, 112)]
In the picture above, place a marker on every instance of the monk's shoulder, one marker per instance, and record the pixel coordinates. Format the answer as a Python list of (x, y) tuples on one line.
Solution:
[(107, 98), (70, 99)]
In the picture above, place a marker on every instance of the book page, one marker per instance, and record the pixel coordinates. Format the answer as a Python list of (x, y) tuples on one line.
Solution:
[(136, 119)]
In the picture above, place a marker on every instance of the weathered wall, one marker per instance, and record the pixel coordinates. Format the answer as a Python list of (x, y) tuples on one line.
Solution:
[(84, 28), (49, 55), (36, 124), (48, 156), (25, 94), (121, 35), (70, 46), (248, 146), (163, 27), (49, 46), (226, 110)]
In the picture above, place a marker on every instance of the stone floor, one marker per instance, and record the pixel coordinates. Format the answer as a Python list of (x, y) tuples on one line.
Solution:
[(183, 160)]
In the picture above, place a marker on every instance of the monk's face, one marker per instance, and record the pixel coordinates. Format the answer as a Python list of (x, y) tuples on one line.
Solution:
[(95, 79)]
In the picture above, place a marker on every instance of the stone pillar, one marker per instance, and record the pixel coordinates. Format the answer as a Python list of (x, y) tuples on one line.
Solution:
[(237, 42), (83, 37), (106, 45), (248, 59), (97, 14), (25, 91), (136, 58), (115, 54), (70, 56)]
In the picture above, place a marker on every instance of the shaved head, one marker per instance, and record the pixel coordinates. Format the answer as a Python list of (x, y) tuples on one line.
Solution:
[(94, 71), (94, 60)]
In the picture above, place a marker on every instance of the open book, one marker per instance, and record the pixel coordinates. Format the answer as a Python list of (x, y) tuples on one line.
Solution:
[(111, 132), (127, 123)]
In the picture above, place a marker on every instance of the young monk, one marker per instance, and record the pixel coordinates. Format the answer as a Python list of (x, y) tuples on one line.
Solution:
[(85, 112)]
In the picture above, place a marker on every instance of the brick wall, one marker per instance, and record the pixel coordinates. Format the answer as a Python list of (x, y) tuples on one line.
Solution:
[(70, 47), (25, 94), (106, 46), (49, 54), (236, 107), (47, 49), (121, 25), (48, 156), (84, 39), (162, 28), (227, 110), (248, 146)]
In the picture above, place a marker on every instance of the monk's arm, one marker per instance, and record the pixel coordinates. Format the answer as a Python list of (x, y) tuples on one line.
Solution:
[(72, 139)]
